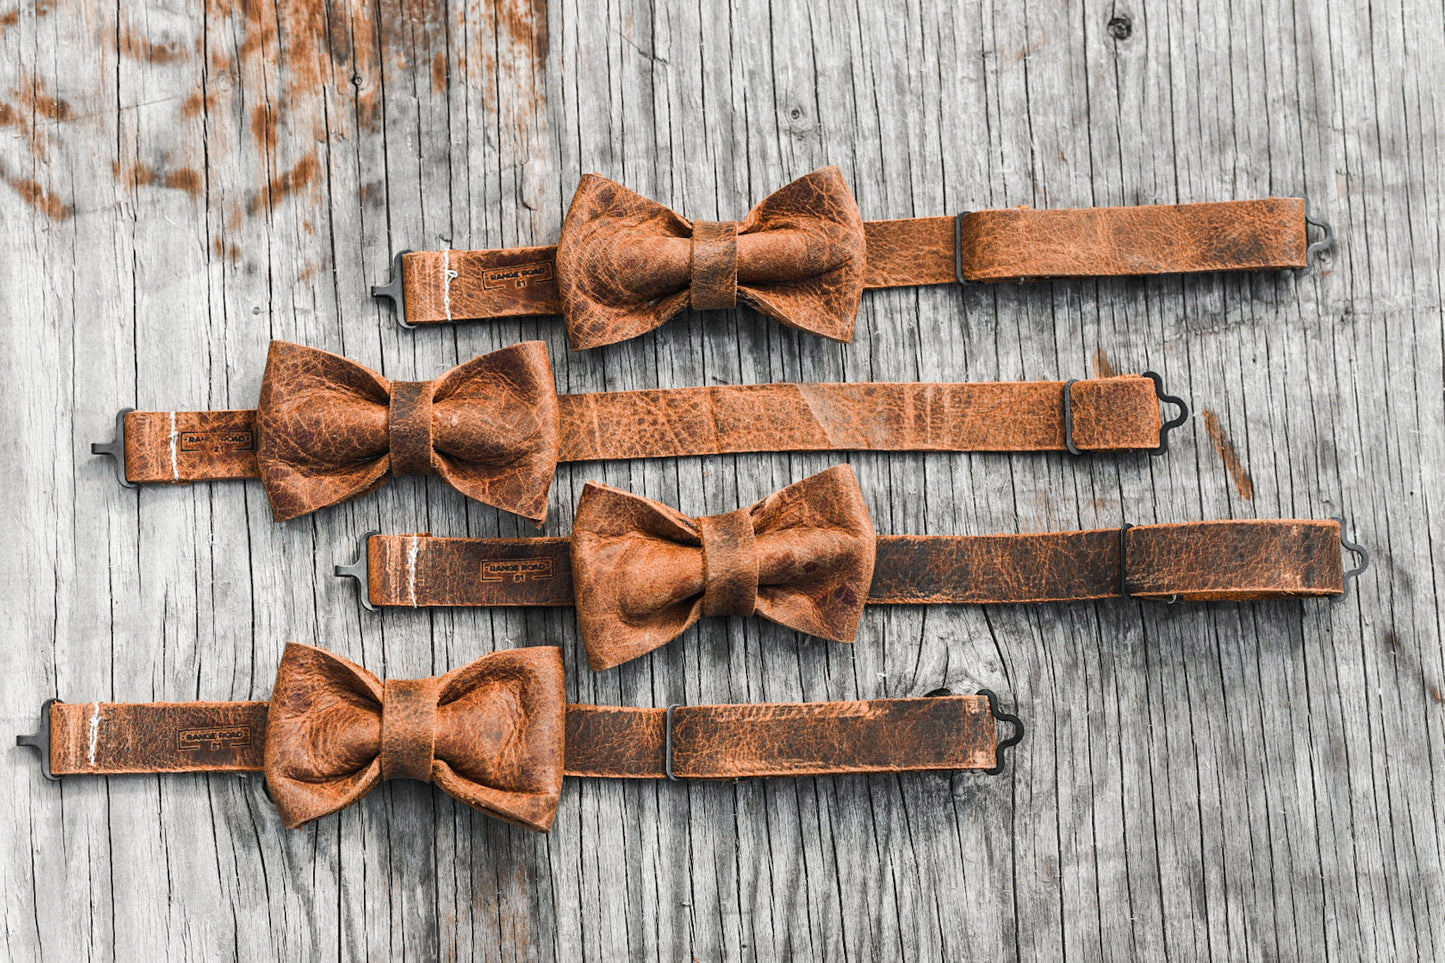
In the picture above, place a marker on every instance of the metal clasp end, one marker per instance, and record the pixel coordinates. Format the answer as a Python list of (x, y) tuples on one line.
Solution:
[(958, 247), (1003, 744), (115, 448), (1172, 423), (395, 290), (40, 740), (360, 570), (1323, 245), (1356, 550)]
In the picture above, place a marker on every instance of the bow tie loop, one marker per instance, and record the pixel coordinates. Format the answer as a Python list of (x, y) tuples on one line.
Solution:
[(489, 733), (330, 429), (644, 573), (626, 264)]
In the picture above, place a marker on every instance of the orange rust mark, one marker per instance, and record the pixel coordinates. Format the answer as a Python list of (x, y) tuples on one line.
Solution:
[(439, 72), (52, 107), (7, 115), (526, 22), (285, 184), (230, 252), (10, 18), (177, 179), (1102, 367), (263, 127), (37, 197), (138, 46), (1227, 452), (197, 103)]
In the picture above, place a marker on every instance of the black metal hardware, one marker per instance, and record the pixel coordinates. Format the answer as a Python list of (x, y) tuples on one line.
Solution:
[(1357, 550), (40, 740), (359, 570), (115, 448), (1172, 423), (395, 290)]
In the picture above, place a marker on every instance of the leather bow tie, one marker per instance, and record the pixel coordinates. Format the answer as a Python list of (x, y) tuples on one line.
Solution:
[(489, 733), (330, 429), (626, 264), (643, 572)]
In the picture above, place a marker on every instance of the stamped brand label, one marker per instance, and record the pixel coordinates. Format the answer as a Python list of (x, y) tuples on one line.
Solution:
[(214, 739), (518, 570), (217, 441), (517, 276)]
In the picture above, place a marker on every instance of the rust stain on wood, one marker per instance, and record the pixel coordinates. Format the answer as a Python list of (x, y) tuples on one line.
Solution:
[(39, 198), (176, 179), (1227, 452), (52, 107), (136, 45), (283, 185), (439, 72), (263, 127), (1102, 367), (526, 22)]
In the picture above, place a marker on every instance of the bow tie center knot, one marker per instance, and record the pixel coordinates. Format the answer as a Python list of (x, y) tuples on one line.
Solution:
[(409, 424), (714, 264), (408, 728), (729, 563)]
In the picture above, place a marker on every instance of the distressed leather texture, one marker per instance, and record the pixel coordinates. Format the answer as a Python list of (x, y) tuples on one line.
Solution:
[(489, 733), (783, 739), (1110, 414), (626, 264), (644, 573), (493, 734), (1011, 245), (330, 429)]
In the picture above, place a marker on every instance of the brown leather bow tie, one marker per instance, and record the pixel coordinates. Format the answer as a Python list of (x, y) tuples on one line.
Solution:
[(626, 264), (330, 429), (489, 733), (644, 572)]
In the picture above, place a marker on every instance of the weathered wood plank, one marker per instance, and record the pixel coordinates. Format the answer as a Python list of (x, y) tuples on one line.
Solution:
[(184, 184)]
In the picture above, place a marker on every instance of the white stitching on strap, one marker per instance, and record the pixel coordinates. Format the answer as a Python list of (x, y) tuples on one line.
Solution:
[(448, 276), (175, 440)]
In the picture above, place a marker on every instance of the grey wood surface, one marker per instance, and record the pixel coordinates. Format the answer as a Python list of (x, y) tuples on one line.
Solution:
[(1232, 781)]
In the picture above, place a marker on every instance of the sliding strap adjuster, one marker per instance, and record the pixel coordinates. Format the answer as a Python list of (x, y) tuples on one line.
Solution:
[(115, 448), (40, 740), (395, 289), (958, 247), (1359, 552), (360, 570)]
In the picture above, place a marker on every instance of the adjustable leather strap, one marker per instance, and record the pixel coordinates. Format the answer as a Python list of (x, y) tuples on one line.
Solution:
[(995, 245), (1215, 560), (1108, 414), (707, 742)]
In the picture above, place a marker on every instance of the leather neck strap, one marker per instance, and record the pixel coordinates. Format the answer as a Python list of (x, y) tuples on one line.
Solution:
[(698, 742), (1099, 415), (997, 245), (1223, 560)]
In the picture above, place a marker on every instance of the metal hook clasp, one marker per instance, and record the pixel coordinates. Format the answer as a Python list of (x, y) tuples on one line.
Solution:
[(1159, 394), (1323, 245), (395, 290), (115, 448), (1003, 745), (40, 740), (360, 570), (1357, 550)]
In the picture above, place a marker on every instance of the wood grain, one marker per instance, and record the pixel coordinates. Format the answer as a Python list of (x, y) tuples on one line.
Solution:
[(185, 182)]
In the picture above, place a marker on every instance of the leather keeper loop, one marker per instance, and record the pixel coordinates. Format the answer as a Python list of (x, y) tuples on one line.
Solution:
[(729, 563), (409, 424), (714, 264), (408, 728)]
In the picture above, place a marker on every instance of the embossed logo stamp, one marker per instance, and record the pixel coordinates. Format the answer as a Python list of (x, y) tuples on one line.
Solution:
[(217, 441), (517, 276), (518, 570), (214, 739)]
